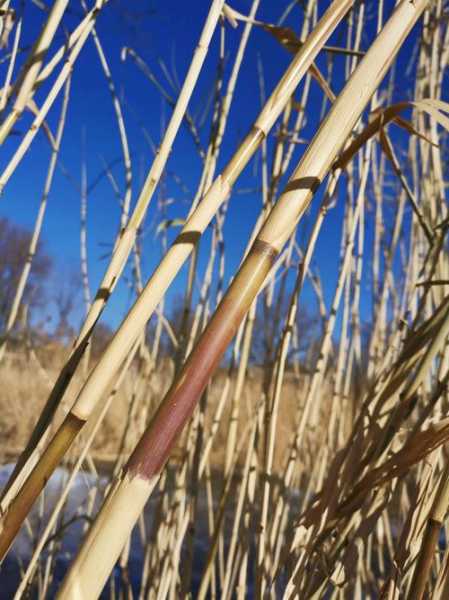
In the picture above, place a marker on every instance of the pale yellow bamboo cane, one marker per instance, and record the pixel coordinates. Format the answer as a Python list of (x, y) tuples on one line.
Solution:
[(127, 238), (429, 542), (116, 519), (61, 79), (12, 316), (52, 520), (12, 62), (313, 399), (48, 69), (155, 289), (201, 217), (33, 65), (120, 124)]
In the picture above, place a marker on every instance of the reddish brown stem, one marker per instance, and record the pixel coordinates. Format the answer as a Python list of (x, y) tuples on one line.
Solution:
[(154, 447)]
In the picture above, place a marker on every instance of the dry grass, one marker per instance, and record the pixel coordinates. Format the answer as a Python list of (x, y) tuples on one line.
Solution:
[(25, 382)]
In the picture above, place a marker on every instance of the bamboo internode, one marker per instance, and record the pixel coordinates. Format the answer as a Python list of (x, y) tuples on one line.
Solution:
[(153, 448), (269, 418), (101, 377)]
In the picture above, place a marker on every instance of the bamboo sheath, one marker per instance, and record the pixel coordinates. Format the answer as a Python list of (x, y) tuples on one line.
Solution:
[(122, 507), (101, 376)]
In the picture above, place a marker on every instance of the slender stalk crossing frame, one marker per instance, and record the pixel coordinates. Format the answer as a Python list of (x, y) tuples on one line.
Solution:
[(132, 489)]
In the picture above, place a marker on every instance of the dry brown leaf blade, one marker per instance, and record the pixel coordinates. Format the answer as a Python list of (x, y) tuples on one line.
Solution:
[(409, 127), (321, 80), (414, 450), (285, 36), (382, 117)]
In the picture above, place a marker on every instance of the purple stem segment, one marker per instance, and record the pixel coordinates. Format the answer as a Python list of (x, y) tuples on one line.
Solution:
[(154, 447)]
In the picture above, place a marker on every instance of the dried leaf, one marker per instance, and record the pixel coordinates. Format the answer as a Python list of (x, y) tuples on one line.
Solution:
[(381, 117), (317, 75), (285, 36), (404, 124), (414, 450)]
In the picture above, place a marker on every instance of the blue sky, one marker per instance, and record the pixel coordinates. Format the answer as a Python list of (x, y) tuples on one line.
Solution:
[(166, 30)]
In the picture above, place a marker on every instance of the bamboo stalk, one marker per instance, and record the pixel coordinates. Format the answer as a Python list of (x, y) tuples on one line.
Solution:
[(128, 235), (430, 540), (12, 316), (57, 86), (116, 519), (133, 324), (12, 62), (32, 67)]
